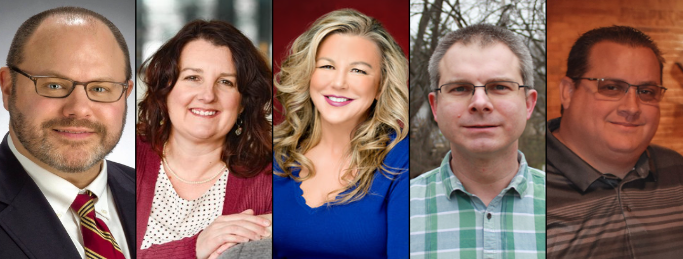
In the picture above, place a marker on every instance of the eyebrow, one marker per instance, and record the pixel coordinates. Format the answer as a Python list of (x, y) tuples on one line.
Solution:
[(352, 63), (498, 79), (649, 83), (199, 70), (52, 73), (638, 84), (495, 79)]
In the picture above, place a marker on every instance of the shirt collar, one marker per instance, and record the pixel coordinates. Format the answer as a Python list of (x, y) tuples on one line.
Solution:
[(451, 183), (582, 174), (60, 193)]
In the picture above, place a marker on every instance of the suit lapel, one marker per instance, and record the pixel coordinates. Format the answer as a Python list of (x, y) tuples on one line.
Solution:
[(28, 218), (124, 195)]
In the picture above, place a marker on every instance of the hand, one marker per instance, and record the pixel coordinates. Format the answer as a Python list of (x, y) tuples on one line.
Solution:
[(269, 217), (228, 230), (225, 246), (220, 250)]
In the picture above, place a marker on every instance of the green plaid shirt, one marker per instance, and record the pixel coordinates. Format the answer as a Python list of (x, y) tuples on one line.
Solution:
[(446, 221)]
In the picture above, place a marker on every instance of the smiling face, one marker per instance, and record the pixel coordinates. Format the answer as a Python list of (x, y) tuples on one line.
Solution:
[(70, 134), (479, 126), (346, 78), (608, 128), (204, 103)]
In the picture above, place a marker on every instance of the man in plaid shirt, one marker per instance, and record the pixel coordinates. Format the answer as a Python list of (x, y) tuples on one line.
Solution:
[(484, 201)]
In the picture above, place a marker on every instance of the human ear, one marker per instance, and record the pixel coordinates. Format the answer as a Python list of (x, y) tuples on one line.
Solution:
[(6, 86), (566, 92), (130, 88), (531, 98), (432, 104)]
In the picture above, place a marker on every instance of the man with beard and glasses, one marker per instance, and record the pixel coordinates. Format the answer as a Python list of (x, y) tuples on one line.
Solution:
[(65, 86)]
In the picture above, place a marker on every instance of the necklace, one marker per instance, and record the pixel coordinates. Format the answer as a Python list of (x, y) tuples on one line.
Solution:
[(186, 181)]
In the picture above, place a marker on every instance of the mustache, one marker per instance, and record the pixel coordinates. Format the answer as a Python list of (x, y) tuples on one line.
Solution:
[(71, 122)]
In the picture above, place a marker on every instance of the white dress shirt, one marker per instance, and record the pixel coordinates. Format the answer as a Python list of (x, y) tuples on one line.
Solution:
[(61, 193)]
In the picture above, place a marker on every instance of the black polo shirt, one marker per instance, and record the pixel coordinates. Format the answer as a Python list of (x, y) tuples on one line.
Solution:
[(595, 215)]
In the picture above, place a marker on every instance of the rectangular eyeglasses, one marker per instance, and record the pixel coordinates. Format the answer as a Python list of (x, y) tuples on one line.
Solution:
[(614, 90), (57, 87), (493, 90)]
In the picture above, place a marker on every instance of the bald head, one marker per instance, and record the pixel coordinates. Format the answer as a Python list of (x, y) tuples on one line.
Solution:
[(50, 26)]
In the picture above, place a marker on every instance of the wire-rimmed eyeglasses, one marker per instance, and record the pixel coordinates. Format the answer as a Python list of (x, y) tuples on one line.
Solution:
[(492, 89), (614, 90)]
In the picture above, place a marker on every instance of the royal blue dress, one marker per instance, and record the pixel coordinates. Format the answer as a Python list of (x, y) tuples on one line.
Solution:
[(374, 227)]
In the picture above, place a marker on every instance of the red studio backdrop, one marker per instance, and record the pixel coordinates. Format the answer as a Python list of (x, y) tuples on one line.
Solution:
[(292, 18)]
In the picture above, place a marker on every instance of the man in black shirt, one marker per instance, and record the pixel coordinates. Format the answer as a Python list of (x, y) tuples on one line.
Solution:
[(610, 193)]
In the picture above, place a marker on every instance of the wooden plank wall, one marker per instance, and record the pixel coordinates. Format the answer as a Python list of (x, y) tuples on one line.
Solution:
[(660, 19)]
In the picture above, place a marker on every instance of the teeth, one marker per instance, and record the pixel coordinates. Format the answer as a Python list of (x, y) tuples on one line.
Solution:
[(203, 113), (338, 100)]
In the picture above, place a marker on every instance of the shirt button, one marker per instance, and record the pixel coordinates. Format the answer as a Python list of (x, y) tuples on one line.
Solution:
[(488, 216), (627, 208)]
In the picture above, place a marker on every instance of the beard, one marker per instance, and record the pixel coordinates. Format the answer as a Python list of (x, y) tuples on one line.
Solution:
[(63, 155)]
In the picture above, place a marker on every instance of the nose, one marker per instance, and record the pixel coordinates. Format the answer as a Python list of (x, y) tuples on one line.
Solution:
[(629, 106), (480, 102), (207, 93), (339, 80), (77, 104)]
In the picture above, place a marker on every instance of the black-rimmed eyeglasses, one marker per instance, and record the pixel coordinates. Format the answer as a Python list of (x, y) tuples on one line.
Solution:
[(614, 90), (57, 87)]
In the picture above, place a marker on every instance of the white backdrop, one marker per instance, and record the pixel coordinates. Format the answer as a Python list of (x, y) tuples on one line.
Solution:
[(121, 13)]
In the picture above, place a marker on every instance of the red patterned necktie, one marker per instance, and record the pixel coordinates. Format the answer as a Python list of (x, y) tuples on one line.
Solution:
[(98, 242)]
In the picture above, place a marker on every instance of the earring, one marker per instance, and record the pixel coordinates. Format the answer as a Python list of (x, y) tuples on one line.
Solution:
[(161, 123), (238, 131)]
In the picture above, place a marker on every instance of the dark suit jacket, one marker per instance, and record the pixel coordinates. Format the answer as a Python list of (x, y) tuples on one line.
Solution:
[(29, 228)]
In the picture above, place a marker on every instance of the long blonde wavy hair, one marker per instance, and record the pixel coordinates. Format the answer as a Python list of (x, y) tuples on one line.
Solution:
[(371, 140)]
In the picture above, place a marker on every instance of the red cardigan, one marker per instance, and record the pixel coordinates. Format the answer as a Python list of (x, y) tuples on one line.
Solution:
[(240, 194)]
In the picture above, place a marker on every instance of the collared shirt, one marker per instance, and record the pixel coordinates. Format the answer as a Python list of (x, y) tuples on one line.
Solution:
[(596, 215), (60, 194), (446, 221)]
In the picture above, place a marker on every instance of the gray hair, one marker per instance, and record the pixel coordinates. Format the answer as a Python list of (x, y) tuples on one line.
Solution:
[(484, 34)]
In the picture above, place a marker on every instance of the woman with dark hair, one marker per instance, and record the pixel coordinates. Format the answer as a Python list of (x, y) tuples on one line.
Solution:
[(204, 145)]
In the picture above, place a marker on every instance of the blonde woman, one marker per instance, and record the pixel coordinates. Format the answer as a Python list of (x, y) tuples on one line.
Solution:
[(340, 188)]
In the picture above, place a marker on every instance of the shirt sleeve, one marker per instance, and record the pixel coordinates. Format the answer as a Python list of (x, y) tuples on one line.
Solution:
[(181, 249)]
